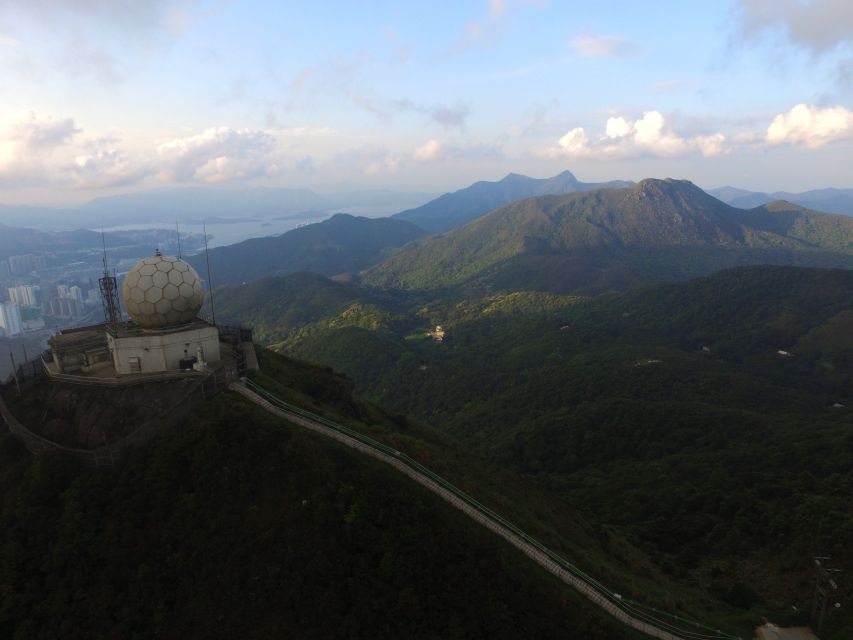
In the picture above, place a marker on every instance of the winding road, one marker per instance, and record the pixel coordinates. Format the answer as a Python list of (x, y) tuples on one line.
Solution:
[(652, 622)]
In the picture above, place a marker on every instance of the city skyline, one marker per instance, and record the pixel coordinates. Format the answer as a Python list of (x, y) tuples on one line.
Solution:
[(108, 97)]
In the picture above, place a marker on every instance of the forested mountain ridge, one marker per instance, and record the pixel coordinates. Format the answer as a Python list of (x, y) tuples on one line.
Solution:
[(235, 524), (456, 209), (341, 244), (279, 306), (615, 238), (709, 420)]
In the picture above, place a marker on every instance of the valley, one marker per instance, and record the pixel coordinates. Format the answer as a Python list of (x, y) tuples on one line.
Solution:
[(624, 372)]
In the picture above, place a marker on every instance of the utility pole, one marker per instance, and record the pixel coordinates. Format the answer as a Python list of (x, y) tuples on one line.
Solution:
[(209, 281), (15, 371), (825, 592)]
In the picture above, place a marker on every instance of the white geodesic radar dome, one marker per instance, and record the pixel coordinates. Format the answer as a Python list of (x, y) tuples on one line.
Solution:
[(162, 291)]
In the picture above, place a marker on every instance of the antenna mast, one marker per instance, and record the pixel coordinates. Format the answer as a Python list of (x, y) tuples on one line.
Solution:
[(178, 231), (109, 293), (209, 280)]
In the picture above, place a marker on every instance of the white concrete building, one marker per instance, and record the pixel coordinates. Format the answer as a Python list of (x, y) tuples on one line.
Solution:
[(10, 319), (193, 345), (163, 295)]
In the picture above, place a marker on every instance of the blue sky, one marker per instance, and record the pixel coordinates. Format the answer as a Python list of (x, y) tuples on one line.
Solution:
[(105, 96)]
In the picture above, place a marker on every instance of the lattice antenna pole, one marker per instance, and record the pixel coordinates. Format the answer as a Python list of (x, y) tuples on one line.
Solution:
[(209, 281), (178, 231), (109, 293)]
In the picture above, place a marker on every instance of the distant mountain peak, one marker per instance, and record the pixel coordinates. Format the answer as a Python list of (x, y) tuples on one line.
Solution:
[(829, 200), (456, 209), (532, 240), (565, 173), (782, 205), (669, 188), (663, 183)]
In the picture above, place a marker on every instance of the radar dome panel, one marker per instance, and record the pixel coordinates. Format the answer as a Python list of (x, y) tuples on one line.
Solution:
[(162, 291)]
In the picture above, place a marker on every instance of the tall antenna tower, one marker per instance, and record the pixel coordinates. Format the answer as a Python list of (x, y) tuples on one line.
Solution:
[(109, 293), (209, 281)]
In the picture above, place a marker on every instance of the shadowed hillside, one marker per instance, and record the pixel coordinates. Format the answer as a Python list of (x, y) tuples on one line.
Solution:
[(614, 239), (461, 207), (341, 244), (235, 525)]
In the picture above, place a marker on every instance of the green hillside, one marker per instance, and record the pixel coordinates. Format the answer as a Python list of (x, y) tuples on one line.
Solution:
[(614, 239), (456, 209), (341, 244), (234, 524), (708, 421), (277, 307)]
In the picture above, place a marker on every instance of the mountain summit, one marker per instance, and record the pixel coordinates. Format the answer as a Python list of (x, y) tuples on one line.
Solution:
[(613, 238), (460, 207)]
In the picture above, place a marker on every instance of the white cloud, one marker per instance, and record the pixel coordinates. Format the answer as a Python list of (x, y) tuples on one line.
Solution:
[(648, 135), (591, 46), (40, 150), (29, 146), (219, 154), (35, 133), (575, 143), (617, 128), (433, 150), (810, 126), (429, 150), (107, 167), (803, 125), (711, 145)]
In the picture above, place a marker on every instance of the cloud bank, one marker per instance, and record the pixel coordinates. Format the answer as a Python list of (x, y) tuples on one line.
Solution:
[(803, 125), (650, 135), (218, 154), (811, 127)]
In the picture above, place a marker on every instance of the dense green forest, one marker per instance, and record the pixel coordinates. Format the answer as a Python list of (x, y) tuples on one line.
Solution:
[(687, 444), (708, 422), (236, 525), (456, 209), (614, 239), (341, 244)]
